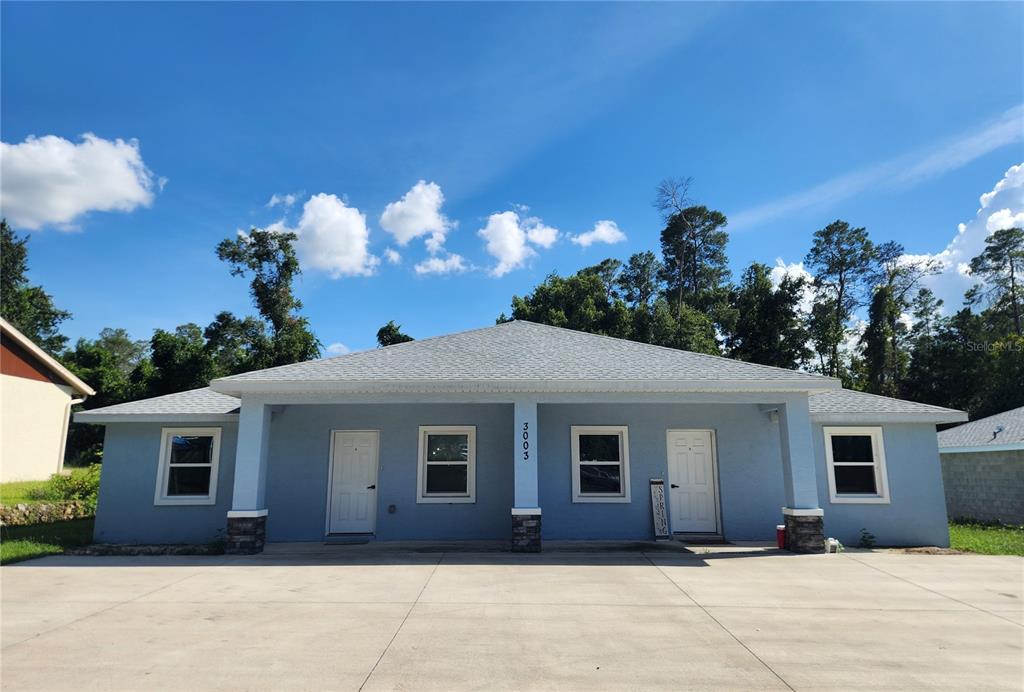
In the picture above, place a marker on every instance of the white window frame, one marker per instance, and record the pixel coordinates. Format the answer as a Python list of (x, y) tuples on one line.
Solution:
[(623, 432), (421, 465), (161, 497), (877, 450)]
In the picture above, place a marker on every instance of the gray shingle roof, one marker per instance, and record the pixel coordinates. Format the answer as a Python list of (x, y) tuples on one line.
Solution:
[(981, 433), (523, 356), (842, 405), (534, 356), (198, 404), (846, 405)]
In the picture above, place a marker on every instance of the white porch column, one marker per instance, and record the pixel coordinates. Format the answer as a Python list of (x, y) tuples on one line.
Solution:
[(799, 474), (803, 517), (525, 455), (526, 496), (247, 519)]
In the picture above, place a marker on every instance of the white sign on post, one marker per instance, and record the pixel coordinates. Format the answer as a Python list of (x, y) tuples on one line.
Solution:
[(658, 510)]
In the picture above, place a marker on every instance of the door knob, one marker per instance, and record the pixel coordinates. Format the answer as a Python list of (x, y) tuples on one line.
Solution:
[(372, 487), (674, 485)]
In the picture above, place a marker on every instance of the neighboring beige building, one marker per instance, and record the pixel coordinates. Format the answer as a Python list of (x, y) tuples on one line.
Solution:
[(36, 395)]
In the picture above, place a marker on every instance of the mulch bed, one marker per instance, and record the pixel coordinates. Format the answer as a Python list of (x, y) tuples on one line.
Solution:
[(115, 549)]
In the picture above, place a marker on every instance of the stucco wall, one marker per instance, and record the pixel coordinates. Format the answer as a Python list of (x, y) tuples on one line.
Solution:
[(32, 427), (916, 513), (985, 485), (300, 438), (126, 513), (749, 464)]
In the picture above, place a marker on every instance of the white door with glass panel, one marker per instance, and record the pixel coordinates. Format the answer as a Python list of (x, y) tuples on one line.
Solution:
[(693, 497), (353, 506)]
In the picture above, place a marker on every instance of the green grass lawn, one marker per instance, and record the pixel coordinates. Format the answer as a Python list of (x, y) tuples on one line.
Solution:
[(19, 543), (986, 539), (16, 492)]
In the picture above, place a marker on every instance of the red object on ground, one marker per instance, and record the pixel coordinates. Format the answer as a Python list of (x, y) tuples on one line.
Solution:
[(780, 536)]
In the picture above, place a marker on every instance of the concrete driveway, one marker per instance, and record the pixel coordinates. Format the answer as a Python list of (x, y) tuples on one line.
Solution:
[(345, 618)]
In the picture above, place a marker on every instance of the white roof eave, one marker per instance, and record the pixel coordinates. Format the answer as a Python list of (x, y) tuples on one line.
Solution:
[(967, 449), (49, 361), (100, 418), (881, 417)]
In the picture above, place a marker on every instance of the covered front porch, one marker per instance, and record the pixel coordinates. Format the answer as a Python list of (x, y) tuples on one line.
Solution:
[(522, 467)]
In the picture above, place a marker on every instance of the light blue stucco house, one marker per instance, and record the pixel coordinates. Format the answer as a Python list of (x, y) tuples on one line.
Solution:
[(525, 431)]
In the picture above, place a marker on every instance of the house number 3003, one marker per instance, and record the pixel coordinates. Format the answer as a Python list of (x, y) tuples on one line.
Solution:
[(526, 441)]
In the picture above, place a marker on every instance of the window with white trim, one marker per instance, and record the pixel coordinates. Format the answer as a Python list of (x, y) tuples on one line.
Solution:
[(856, 465), (600, 463), (447, 464), (187, 474)]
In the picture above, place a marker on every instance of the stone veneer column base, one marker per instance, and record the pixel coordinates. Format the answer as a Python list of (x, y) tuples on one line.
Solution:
[(805, 530), (526, 530), (247, 532)]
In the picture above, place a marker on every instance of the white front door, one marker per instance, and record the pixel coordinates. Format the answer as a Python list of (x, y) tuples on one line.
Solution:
[(353, 503), (693, 497)]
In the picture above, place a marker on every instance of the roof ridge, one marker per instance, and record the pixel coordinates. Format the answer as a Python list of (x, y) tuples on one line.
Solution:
[(414, 341), (675, 350), (521, 350)]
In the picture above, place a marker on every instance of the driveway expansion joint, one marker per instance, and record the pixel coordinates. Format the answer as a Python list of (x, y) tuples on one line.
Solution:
[(937, 593), (116, 604), (719, 623), (402, 623)]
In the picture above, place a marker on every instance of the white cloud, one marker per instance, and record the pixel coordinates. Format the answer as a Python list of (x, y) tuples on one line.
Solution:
[(506, 242), (1013, 178), (1001, 207), (435, 265), (796, 270), (52, 181), (854, 333), (1004, 218), (286, 200), (902, 172), (337, 349), (603, 232), (540, 234), (392, 256), (333, 237), (417, 214), (435, 243)]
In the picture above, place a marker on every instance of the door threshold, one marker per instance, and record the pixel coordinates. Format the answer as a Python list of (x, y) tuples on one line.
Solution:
[(348, 538), (699, 538)]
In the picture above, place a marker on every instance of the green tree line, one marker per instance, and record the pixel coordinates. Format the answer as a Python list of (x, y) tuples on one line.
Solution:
[(187, 357), (679, 295), (685, 298)]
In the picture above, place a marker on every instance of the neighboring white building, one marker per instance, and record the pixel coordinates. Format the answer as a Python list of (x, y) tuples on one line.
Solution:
[(36, 395), (983, 468)]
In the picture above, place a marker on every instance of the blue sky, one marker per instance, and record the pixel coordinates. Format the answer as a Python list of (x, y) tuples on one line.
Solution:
[(896, 117)]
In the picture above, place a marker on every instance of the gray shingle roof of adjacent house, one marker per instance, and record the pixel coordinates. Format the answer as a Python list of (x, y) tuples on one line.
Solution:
[(982, 434), (522, 356), (531, 357)]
